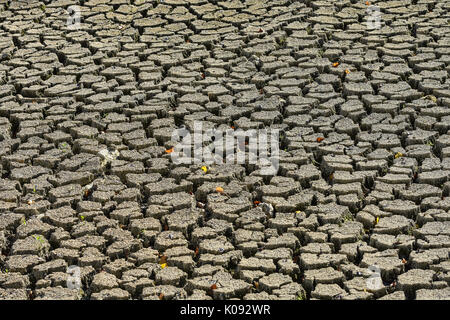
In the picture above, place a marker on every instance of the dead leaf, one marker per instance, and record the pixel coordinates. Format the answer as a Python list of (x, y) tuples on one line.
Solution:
[(219, 189)]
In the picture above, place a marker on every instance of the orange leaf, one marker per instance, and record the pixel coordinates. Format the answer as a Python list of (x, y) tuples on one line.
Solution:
[(367, 3), (169, 150), (196, 251), (214, 287), (335, 64), (403, 261), (320, 139), (161, 296), (347, 71), (256, 202), (219, 189), (256, 283)]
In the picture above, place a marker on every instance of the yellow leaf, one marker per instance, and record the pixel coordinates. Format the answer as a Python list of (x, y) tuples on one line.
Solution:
[(398, 155), (205, 169), (163, 265), (378, 219)]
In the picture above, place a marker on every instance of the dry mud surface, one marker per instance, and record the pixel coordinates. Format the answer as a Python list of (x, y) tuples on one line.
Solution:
[(89, 191)]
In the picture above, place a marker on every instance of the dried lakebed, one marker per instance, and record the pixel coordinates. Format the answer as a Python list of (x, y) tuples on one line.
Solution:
[(92, 205)]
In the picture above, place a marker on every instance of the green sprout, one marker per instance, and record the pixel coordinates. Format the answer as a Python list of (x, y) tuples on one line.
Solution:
[(348, 217), (411, 229), (301, 296), (39, 238), (65, 147), (82, 218)]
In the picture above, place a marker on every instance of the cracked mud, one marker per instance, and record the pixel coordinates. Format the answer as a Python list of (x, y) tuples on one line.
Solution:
[(92, 205)]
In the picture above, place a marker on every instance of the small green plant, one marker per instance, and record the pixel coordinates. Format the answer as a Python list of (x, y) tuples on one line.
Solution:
[(42, 7), (348, 217), (301, 296), (39, 238), (411, 229), (65, 147), (82, 218)]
